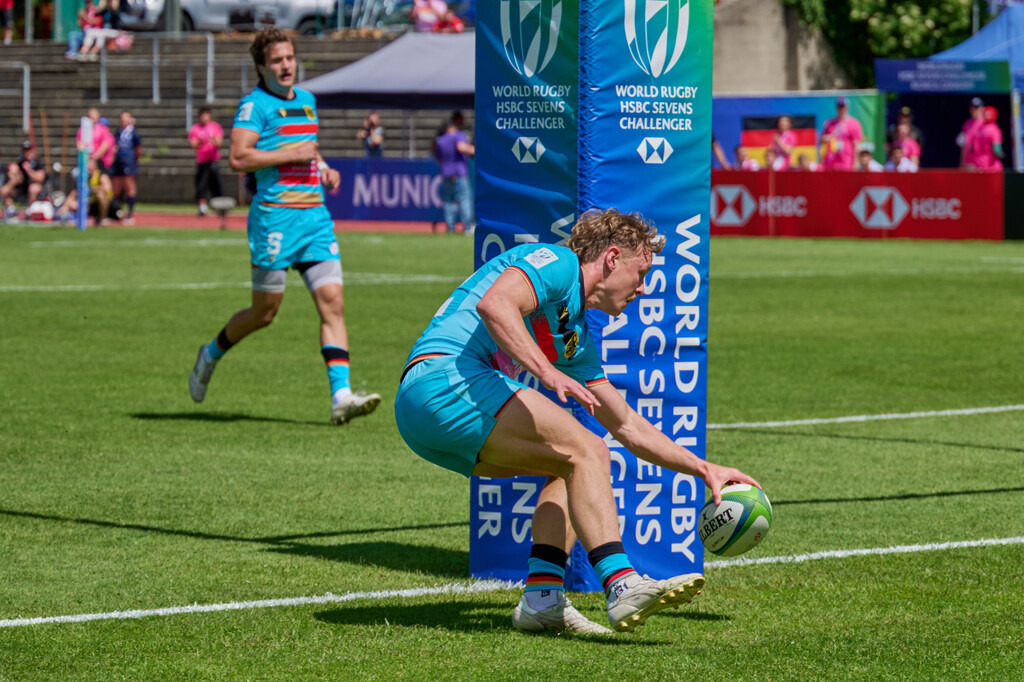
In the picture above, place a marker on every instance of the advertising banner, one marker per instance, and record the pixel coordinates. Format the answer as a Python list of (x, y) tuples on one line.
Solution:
[(745, 120), (526, 127), (645, 88), (934, 75), (640, 143), (923, 205), (391, 189)]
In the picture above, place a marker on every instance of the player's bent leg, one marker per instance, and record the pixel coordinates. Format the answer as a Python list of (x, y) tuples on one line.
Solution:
[(534, 434)]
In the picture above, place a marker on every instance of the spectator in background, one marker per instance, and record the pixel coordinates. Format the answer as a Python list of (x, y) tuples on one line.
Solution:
[(772, 160), (7, 19), (426, 13), (987, 142), (10, 190), (34, 176), (206, 138), (804, 163), (841, 137), (911, 150), (449, 23), (371, 134), (744, 162), (452, 151), (784, 141), (125, 168), (868, 163), (103, 143), (905, 115), (898, 162), (719, 153), (973, 123)]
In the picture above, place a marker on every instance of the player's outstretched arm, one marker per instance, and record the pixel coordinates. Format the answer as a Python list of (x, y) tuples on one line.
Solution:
[(502, 310), (640, 437), (245, 158)]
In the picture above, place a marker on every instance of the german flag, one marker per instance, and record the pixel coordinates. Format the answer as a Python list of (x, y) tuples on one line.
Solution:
[(758, 132)]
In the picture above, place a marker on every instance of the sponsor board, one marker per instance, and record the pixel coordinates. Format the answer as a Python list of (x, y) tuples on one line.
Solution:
[(923, 205)]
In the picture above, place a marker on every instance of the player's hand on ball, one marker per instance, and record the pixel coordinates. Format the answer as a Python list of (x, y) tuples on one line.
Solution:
[(717, 477)]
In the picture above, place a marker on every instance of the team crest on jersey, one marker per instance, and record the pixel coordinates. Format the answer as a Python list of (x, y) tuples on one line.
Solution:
[(245, 113), (283, 112), (310, 114), (541, 257), (529, 33), (570, 337), (656, 33)]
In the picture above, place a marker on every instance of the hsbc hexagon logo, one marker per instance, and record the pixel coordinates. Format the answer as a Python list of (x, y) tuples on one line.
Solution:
[(529, 33), (657, 36), (654, 150), (731, 205), (879, 208), (528, 149)]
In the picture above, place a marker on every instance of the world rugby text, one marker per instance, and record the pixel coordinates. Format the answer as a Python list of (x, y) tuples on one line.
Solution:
[(684, 286)]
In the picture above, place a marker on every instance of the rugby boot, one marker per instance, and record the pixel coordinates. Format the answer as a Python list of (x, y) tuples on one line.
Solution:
[(354, 405), (560, 617), (199, 380), (643, 597)]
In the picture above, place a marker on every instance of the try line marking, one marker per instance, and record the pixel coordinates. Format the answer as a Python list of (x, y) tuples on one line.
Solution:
[(484, 585), (869, 417), (350, 277)]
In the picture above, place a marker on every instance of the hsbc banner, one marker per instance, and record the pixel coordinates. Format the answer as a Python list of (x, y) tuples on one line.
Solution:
[(379, 189), (923, 205), (644, 94)]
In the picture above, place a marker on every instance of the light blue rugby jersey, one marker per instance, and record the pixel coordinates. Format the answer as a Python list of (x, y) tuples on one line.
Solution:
[(283, 123), (558, 325)]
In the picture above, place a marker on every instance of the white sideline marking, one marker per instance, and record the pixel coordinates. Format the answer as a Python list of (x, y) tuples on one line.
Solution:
[(1012, 267), (485, 585), (844, 553), (350, 277), (216, 241), (870, 417), (452, 588)]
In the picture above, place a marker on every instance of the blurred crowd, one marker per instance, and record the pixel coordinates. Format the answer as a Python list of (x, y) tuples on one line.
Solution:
[(841, 145)]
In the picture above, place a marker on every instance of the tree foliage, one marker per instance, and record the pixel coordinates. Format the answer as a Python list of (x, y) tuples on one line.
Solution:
[(861, 30)]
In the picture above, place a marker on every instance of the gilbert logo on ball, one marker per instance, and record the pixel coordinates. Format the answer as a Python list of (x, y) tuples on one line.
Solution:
[(738, 523)]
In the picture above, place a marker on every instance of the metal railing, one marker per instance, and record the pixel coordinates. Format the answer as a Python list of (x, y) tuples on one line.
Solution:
[(156, 62), (25, 92)]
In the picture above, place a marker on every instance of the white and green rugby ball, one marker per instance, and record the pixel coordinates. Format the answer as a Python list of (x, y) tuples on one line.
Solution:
[(738, 523)]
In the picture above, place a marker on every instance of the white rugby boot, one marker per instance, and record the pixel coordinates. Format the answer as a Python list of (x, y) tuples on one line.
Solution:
[(199, 380), (353, 405), (643, 597), (560, 617)]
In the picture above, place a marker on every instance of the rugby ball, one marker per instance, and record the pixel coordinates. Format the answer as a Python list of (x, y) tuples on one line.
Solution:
[(738, 523)]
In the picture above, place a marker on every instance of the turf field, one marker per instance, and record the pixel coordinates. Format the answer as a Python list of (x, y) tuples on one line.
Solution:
[(896, 551)]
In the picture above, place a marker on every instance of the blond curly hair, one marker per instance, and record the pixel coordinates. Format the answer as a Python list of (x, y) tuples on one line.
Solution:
[(596, 230)]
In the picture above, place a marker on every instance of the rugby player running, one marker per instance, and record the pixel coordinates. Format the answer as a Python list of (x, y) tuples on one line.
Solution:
[(275, 138), (459, 406)]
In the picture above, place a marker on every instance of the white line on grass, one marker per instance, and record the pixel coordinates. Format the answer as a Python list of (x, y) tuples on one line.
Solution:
[(350, 278), (451, 588), (869, 417), (484, 585), (845, 553), (106, 243), (786, 274)]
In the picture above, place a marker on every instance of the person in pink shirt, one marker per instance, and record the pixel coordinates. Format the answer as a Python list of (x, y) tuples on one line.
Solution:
[(427, 13), (784, 141), (103, 142), (987, 142), (206, 137), (841, 137), (972, 125), (911, 149), (744, 162)]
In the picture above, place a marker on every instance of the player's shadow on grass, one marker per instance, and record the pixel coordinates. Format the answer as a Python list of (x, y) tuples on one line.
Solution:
[(464, 616), (391, 555), (223, 417)]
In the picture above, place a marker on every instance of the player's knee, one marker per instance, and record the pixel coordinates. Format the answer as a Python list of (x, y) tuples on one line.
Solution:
[(591, 451), (265, 315)]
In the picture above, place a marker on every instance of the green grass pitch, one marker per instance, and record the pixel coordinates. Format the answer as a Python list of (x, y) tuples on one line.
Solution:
[(119, 493)]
